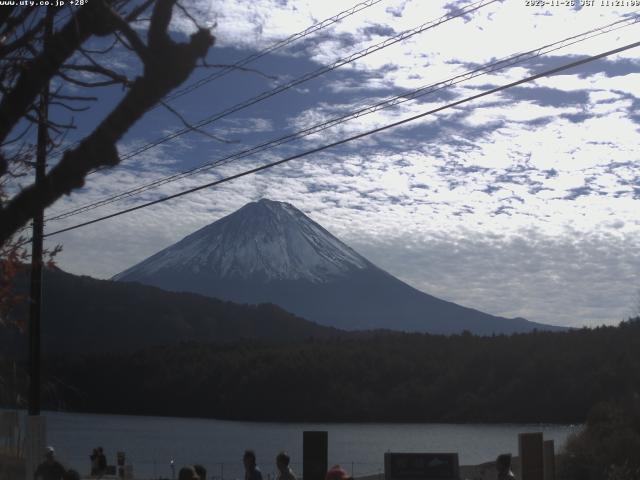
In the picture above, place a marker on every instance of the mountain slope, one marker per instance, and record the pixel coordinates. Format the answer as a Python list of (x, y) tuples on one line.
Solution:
[(271, 252), (263, 241)]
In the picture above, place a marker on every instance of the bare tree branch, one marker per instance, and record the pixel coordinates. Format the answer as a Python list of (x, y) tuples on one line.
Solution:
[(61, 126), (74, 98), (236, 67), (5, 13), (99, 70), (166, 65), (123, 42), (160, 18), (88, 20), (55, 126), (23, 40), (130, 34), (193, 128), (133, 15), (82, 83), (69, 107), (101, 52), (58, 141), (19, 137), (186, 13), (11, 23)]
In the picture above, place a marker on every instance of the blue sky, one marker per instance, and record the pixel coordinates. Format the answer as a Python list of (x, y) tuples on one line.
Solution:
[(523, 203)]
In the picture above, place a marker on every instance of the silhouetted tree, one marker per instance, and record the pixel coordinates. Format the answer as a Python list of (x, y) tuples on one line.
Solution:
[(534, 377), (607, 448), (166, 64), (33, 53)]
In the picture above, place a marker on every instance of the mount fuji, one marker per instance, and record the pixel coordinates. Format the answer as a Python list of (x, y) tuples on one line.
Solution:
[(270, 252)]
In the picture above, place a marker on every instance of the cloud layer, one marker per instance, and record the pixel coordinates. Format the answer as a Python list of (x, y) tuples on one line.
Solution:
[(522, 203)]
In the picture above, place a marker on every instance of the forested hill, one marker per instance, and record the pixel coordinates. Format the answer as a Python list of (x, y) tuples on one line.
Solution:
[(535, 377), (82, 314)]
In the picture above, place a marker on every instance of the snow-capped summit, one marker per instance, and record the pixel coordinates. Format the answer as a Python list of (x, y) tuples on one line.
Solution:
[(266, 239), (270, 252)]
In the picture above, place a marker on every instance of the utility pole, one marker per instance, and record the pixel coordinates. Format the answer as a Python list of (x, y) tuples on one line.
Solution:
[(35, 296), (36, 427)]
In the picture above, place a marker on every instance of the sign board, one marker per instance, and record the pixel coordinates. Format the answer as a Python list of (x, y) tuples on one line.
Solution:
[(315, 448), (549, 460), (421, 466), (531, 452), (8, 424)]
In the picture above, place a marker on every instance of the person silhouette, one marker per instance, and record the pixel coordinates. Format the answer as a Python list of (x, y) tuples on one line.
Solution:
[(50, 469), (284, 471), (188, 473), (251, 470), (503, 466)]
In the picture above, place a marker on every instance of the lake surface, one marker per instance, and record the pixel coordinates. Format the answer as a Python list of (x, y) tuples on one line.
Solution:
[(151, 442)]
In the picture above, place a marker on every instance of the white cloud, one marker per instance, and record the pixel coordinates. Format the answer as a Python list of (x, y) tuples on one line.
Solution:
[(524, 111), (429, 55), (515, 205)]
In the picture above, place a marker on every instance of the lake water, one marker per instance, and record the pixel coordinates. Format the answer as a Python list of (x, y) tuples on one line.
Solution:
[(151, 442)]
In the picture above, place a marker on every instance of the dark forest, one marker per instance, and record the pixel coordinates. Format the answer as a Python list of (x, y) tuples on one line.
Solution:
[(384, 376)]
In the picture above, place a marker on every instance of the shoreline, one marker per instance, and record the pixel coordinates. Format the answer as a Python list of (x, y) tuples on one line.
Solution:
[(13, 468), (536, 424), (149, 443)]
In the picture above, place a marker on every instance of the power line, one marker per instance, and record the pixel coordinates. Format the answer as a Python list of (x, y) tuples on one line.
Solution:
[(311, 75), (354, 137), (276, 46), (387, 103), (507, 61)]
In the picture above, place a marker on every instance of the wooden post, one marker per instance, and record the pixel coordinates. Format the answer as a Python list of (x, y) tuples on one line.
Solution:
[(549, 460), (530, 451), (35, 443), (315, 448), (35, 296), (36, 425)]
